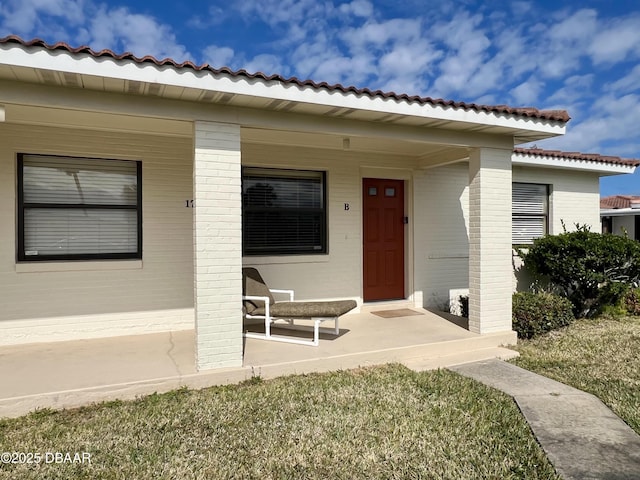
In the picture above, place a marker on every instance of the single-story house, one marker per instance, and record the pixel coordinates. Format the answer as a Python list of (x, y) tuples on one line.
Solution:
[(134, 190), (620, 215)]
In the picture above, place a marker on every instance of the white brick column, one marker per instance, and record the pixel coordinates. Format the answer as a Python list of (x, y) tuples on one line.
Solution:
[(490, 270), (217, 220)]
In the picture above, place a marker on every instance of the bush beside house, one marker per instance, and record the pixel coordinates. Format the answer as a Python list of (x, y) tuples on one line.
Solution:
[(592, 270), (537, 313), (584, 274)]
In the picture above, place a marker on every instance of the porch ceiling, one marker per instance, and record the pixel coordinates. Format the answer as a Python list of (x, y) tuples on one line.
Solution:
[(423, 152), (104, 74)]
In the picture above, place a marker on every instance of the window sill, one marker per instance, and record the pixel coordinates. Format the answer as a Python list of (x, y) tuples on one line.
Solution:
[(78, 266)]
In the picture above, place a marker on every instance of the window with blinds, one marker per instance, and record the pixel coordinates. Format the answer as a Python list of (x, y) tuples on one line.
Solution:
[(530, 211), (283, 212), (78, 208)]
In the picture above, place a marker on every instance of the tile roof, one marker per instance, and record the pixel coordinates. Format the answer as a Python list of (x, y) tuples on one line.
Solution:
[(618, 201), (527, 112), (591, 157)]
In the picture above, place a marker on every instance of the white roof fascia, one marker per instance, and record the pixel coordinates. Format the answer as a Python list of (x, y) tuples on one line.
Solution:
[(86, 64), (618, 212), (571, 163)]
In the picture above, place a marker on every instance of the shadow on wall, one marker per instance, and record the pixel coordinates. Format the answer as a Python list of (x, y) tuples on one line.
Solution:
[(523, 280), (441, 200)]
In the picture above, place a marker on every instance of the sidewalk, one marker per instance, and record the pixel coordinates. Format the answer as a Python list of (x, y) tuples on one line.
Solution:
[(582, 438)]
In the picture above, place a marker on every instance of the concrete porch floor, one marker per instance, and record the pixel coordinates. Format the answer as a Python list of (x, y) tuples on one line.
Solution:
[(70, 374)]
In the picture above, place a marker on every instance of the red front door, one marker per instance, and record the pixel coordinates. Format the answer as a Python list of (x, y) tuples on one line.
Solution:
[(383, 239)]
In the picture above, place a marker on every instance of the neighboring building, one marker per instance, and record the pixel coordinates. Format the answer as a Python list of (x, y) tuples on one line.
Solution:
[(134, 190), (620, 214)]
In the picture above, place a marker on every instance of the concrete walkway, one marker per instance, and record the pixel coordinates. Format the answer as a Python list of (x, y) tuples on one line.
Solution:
[(582, 438)]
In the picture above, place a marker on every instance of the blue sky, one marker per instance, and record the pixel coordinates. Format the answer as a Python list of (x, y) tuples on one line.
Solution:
[(578, 55)]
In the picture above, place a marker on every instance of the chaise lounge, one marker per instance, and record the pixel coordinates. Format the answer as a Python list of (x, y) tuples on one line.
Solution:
[(259, 303)]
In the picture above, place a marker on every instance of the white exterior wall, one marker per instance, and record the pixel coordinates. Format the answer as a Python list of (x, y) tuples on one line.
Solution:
[(490, 284), (217, 245), (624, 223), (67, 300), (574, 199), (338, 274), (441, 225), (574, 196)]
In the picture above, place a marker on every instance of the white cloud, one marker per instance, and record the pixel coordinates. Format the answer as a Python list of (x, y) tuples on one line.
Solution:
[(618, 40), (219, 57), (467, 52), (573, 90), (83, 22), (29, 17), (267, 64), (140, 34), (610, 126), (627, 83), (376, 35), (281, 12), (527, 93), (359, 8)]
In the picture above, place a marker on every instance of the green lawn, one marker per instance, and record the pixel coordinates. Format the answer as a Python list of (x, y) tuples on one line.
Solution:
[(374, 423), (600, 356)]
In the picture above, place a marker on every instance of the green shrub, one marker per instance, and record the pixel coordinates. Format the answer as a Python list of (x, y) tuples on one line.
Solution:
[(590, 269), (537, 313), (631, 301)]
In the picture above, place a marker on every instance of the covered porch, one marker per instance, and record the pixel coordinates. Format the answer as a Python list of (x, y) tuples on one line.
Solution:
[(75, 373), (190, 133)]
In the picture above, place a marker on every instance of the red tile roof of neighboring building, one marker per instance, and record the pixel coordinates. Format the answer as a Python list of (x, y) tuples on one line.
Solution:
[(527, 112), (592, 157), (618, 201)]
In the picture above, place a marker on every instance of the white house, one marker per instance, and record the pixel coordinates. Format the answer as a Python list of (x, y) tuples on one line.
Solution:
[(620, 215), (133, 191)]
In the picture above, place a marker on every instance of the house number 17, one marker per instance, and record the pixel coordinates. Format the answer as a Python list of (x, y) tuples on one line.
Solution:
[(188, 203)]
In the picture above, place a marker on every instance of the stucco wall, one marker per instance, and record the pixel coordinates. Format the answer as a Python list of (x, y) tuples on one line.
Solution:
[(66, 300)]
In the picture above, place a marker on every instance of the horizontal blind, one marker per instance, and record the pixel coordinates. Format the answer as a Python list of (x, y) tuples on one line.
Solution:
[(69, 232), (283, 211), (73, 181), (75, 207), (526, 229), (529, 208), (282, 189), (529, 198)]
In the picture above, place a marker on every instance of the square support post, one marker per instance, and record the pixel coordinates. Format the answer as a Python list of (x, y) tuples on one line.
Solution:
[(490, 254), (217, 223)]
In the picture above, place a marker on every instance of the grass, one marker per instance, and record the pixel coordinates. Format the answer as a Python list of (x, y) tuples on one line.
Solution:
[(374, 423), (600, 356)]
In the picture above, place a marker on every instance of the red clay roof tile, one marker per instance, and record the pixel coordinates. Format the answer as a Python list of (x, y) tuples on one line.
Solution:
[(527, 112), (593, 157), (618, 201)]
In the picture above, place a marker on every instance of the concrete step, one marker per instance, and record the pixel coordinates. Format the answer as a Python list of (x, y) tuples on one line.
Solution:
[(439, 354), (421, 364)]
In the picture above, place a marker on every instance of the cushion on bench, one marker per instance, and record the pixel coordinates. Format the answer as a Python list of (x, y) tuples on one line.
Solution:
[(307, 309)]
